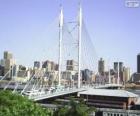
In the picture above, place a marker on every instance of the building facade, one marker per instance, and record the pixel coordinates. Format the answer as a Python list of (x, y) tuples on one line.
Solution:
[(138, 63), (126, 74), (101, 66), (37, 64), (71, 65), (9, 63)]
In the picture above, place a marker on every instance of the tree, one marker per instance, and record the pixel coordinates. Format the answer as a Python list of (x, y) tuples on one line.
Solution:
[(74, 109), (17, 105)]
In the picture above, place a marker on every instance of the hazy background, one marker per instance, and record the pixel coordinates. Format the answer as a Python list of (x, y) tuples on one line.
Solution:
[(113, 28)]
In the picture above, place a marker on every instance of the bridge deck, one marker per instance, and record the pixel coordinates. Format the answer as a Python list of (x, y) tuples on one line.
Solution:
[(55, 94)]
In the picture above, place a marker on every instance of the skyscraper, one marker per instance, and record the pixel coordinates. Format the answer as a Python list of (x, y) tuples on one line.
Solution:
[(126, 74), (1, 70), (8, 55), (101, 66), (116, 66), (120, 74), (36, 64), (8, 63), (138, 63), (71, 65), (47, 65), (120, 66), (50, 65)]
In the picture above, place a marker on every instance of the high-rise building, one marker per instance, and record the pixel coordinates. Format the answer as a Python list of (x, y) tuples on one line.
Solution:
[(101, 66), (1, 70), (86, 75), (120, 66), (56, 67), (71, 65), (116, 66), (47, 65), (8, 55), (138, 63), (126, 74), (50, 65), (8, 63), (2, 62), (36, 64)]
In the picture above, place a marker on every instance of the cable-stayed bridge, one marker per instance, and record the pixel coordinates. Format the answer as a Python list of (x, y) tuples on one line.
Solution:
[(74, 43)]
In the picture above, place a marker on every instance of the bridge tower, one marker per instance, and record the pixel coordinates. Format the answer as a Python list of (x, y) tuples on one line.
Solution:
[(79, 44), (61, 18)]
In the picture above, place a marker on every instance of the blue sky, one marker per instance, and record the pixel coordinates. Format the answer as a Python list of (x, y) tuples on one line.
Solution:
[(113, 28)]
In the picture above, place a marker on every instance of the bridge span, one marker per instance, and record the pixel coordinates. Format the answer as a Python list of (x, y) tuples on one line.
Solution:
[(46, 95), (65, 91)]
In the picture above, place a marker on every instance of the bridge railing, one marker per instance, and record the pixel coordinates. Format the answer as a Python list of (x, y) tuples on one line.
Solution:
[(40, 94)]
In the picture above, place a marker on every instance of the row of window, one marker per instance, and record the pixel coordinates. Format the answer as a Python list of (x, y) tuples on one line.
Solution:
[(118, 114)]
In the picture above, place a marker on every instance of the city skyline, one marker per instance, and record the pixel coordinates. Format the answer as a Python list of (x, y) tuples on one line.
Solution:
[(21, 34)]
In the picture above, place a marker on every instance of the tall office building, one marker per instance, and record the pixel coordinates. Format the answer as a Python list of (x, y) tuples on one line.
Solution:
[(8, 63), (56, 67), (47, 65), (101, 66), (36, 64), (8, 55), (71, 65), (120, 70), (120, 66), (52, 66), (1, 70), (2, 62), (138, 63), (126, 74), (116, 66)]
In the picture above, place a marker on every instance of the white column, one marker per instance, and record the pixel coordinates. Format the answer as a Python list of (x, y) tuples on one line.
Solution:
[(60, 43), (109, 76), (118, 80), (79, 44)]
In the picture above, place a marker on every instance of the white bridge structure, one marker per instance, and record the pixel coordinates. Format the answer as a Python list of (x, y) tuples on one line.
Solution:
[(36, 89)]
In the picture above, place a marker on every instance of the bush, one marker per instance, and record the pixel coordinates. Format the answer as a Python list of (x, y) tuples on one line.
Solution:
[(17, 105), (74, 109)]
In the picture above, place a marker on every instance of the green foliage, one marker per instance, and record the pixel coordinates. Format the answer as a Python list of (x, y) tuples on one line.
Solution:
[(74, 109), (16, 105)]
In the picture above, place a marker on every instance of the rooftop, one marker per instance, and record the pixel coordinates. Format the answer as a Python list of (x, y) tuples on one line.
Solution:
[(108, 92), (108, 85)]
